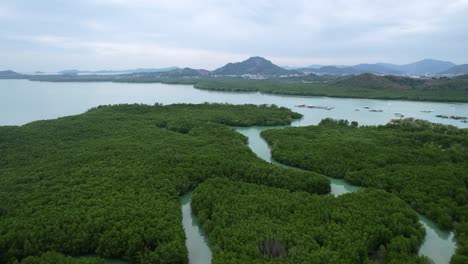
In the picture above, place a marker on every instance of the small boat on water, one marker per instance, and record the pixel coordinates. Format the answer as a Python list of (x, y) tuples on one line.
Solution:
[(366, 107), (427, 111), (399, 115), (356, 109), (301, 105), (376, 110)]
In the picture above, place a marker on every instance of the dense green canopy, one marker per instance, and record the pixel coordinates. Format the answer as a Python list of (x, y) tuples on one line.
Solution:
[(108, 181), (245, 220), (361, 86), (51, 257), (423, 163)]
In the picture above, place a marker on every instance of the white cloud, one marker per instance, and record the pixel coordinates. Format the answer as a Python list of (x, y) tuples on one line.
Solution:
[(208, 33), (149, 54)]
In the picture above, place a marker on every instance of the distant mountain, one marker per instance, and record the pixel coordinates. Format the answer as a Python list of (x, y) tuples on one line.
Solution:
[(317, 66), (427, 66), (377, 82), (253, 65), (139, 70), (351, 70), (72, 72), (10, 75), (366, 81), (375, 69), (457, 70), (185, 72), (313, 66), (330, 70)]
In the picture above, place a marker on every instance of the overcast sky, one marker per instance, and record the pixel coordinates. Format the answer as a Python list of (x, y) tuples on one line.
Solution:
[(51, 35)]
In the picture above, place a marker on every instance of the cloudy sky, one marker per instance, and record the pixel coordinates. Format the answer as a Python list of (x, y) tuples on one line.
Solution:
[(51, 35)]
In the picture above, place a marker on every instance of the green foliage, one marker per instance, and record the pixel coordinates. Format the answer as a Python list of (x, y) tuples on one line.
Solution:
[(461, 231), (57, 258), (423, 163), (361, 86), (242, 219), (108, 181)]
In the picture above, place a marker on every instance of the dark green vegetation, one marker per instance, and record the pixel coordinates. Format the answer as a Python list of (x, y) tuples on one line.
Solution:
[(361, 86), (423, 163), (248, 223), (57, 258), (108, 181)]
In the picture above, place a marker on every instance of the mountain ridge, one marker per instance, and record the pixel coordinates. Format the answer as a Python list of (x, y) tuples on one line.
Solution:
[(9, 74), (422, 67), (257, 65), (425, 66), (253, 65), (457, 70)]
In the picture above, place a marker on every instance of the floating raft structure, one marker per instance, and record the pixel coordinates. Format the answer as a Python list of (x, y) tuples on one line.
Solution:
[(452, 117), (315, 107)]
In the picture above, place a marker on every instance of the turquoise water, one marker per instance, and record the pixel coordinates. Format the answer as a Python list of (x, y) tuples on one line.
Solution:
[(197, 241)]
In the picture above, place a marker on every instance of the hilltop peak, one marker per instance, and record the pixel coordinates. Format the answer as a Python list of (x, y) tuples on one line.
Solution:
[(257, 58), (252, 65), (9, 74)]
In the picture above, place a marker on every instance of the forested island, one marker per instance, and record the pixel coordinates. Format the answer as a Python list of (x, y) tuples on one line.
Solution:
[(360, 86), (423, 163), (244, 219), (108, 181)]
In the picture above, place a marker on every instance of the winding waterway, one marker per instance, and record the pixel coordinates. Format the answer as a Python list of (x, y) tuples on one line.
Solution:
[(23, 101), (197, 241), (438, 245)]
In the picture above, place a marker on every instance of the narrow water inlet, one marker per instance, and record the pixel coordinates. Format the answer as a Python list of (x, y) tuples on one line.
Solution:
[(438, 245), (197, 241)]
